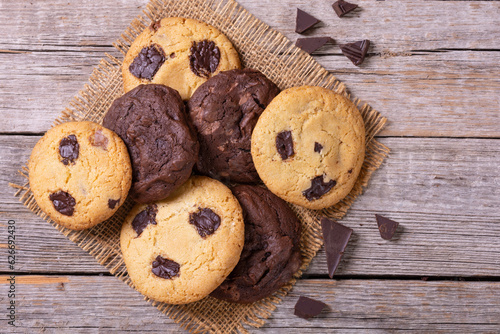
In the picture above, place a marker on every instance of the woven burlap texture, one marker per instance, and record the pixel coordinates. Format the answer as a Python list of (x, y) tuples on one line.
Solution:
[(262, 48)]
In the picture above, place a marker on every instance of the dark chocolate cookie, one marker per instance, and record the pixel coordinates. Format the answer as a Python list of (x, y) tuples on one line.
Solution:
[(152, 122), (225, 110), (271, 254)]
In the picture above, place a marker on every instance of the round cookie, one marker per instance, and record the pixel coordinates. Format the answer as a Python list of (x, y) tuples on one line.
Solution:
[(79, 174), (308, 146), (180, 53), (271, 254), (180, 249), (224, 111), (152, 121)]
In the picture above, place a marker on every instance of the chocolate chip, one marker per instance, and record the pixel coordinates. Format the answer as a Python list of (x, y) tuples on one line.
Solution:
[(205, 220), (304, 21), (317, 147), (318, 188), (307, 307), (349, 171), (63, 202), (155, 25), (312, 44), (336, 236), (165, 268), (386, 227), (99, 140), (284, 144), (172, 55), (204, 58), (112, 203), (356, 51), (69, 149), (343, 7), (144, 218), (147, 63)]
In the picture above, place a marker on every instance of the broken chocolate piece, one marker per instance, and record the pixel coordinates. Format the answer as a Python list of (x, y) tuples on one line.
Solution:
[(317, 147), (318, 188), (343, 7), (205, 220), (356, 51), (148, 62), (284, 144), (304, 21), (99, 140), (112, 203), (144, 218), (155, 25), (69, 149), (312, 44), (204, 58), (386, 227), (63, 202), (335, 236), (307, 307), (165, 268)]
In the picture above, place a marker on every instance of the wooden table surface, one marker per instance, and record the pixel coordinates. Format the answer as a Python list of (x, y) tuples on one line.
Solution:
[(433, 71)]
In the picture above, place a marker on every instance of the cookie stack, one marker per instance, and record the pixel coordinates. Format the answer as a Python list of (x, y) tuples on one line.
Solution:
[(211, 154)]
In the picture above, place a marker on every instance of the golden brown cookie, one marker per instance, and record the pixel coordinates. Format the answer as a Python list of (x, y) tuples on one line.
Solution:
[(180, 249), (80, 174), (308, 146), (180, 53)]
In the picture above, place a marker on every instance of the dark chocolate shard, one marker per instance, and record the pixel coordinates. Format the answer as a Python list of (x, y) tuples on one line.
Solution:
[(155, 25), (343, 7), (63, 202), (284, 144), (317, 147), (204, 58), (311, 44), (144, 218), (386, 227), (69, 149), (112, 203), (307, 307), (165, 268), (205, 220), (318, 188), (336, 236), (148, 62), (304, 21), (99, 140), (356, 52)]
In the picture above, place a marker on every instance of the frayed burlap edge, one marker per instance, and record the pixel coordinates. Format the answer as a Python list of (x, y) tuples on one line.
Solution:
[(262, 48)]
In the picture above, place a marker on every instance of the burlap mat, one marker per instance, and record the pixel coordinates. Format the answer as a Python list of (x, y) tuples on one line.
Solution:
[(262, 48)]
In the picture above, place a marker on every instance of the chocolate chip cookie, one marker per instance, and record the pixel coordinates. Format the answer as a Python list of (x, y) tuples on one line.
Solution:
[(80, 174), (152, 121), (180, 53), (308, 146), (180, 249), (271, 254), (224, 111)]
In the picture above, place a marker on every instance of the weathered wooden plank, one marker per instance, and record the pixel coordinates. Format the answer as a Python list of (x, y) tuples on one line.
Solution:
[(89, 304), (449, 93), (444, 192)]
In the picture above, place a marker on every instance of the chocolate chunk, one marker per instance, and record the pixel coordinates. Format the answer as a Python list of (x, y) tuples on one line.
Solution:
[(205, 220), (172, 55), (155, 25), (312, 44), (317, 147), (304, 21), (386, 227), (147, 63), (356, 51), (336, 236), (204, 58), (99, 140), (318, 188), (284, 144), (144, 218), (63, 202), (112, 203), (69, 149), (308, 307), (343, 7), (165, 268)]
